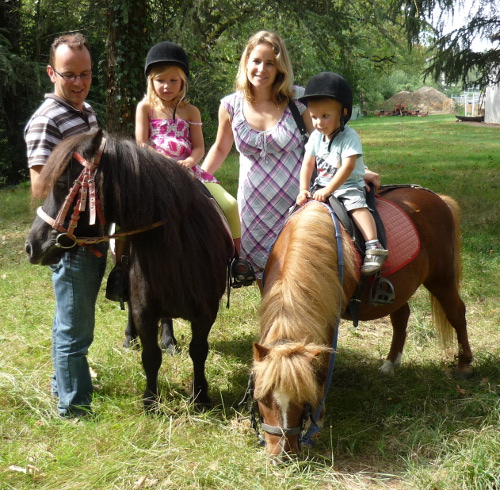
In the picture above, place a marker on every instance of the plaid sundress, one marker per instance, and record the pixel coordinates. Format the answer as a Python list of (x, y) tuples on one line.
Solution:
[(270, 164)]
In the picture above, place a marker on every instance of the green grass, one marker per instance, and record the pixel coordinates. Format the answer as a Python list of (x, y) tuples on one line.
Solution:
[(418, 429)]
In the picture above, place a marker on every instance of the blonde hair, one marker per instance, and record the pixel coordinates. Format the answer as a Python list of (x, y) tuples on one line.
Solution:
[(151, 95), (282, 90)]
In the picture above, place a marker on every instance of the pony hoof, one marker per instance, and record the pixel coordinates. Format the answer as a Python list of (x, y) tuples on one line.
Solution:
[(131, 343), (201, 403), (387, 368), (464, 373), (152, 406), (171, 349)]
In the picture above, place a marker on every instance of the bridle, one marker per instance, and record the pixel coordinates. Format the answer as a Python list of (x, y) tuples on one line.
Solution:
[(84, 190), (258, 426)]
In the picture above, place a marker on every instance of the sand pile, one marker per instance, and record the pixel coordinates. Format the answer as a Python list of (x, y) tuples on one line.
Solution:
[(425, 99)]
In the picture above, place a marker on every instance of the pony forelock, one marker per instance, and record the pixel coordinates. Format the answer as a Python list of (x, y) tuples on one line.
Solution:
[(290, 368)]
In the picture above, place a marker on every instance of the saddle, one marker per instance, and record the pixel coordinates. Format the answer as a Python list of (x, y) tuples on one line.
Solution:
[(381, 289), (399, 236)]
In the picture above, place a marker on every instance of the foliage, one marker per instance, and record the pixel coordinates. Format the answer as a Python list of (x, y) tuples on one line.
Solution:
[(18, 80), (420, 429), (362, 39), (124, 66), (452, 54)]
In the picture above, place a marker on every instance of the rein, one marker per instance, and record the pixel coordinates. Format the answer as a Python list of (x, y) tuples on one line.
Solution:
[(84, 188), (313, 429), (308, 414)]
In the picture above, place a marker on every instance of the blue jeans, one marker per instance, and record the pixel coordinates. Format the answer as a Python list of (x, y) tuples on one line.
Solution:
[(76, 279)]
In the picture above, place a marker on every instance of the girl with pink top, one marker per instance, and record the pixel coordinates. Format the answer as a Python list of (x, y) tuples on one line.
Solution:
[(168, 123)]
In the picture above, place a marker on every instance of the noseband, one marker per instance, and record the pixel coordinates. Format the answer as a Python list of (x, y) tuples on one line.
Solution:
[(84, 187)]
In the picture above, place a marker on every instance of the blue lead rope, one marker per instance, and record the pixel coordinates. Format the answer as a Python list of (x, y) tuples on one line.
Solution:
[(313, 429)]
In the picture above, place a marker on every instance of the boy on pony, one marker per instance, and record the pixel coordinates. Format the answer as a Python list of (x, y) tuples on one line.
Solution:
[(336, 152), (169, 124)]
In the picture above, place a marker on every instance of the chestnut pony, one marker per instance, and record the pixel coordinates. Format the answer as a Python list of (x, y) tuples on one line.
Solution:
[(303, 299), (179, 245)]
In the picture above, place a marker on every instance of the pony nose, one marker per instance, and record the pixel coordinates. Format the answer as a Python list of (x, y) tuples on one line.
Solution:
[(28, 248)]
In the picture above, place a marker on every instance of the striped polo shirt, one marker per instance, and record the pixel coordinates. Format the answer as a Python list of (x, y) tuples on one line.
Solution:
[(54, 121)]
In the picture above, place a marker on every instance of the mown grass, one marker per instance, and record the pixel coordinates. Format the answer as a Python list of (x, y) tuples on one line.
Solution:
[(418, 429)]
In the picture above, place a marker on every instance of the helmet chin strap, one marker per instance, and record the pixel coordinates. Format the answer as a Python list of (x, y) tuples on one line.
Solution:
[(335, 132)]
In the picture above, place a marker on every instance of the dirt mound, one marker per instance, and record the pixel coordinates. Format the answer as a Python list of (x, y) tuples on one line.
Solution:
[(425, 99)]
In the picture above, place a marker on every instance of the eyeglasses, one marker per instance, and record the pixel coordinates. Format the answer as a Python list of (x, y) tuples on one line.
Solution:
[(71, 78)]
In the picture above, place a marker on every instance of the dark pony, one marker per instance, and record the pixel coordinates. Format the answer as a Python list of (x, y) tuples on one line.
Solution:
[(303, 299), (177, 269)]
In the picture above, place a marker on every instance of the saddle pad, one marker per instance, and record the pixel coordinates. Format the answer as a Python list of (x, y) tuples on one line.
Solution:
[(403, 241)]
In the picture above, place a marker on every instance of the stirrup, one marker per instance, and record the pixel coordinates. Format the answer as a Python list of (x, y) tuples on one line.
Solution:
[(374, 259), (242, 273), (382, 291)]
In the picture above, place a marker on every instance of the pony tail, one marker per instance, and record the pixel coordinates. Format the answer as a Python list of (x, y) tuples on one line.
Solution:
[(444, 330)]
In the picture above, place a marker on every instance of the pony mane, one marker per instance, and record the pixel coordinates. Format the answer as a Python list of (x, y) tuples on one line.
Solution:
[(303, 302), (141, 186)]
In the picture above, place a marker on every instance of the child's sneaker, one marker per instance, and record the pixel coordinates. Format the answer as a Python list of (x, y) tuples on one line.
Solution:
[(374, 259)]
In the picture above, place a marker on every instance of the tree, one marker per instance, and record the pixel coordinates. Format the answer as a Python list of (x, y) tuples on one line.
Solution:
[(452, 54), (125, 63), (361, 39), (18, 79)]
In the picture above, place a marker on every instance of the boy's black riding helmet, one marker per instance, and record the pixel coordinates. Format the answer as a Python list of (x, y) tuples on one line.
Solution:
[(166, 53), (333, 86)]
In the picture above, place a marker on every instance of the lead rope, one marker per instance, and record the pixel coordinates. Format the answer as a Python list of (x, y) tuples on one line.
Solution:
[(313, 429)]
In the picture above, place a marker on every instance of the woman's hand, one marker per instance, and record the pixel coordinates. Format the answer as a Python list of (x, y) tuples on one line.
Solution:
[(371, 178)]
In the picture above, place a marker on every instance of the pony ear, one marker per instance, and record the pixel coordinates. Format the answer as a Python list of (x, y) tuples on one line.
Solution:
[(259, 352)]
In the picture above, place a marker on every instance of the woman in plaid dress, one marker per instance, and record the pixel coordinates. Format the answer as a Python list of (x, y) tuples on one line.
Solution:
[(257, 119)]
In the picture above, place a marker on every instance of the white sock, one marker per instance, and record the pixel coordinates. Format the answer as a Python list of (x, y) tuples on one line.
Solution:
[(371, 244)]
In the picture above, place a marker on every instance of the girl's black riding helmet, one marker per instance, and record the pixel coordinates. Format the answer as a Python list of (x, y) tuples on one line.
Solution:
[(166, 53), (332, 86)]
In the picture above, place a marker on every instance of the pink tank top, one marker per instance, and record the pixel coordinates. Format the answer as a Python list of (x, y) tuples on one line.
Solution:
[(172, 137)]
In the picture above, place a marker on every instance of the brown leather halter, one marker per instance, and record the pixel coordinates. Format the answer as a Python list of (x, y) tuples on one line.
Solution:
[(84, 187)]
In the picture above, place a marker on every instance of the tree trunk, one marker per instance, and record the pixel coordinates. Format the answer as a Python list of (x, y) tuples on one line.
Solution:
[(125, 81)]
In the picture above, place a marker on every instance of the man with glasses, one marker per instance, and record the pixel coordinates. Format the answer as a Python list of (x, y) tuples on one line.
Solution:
[(64, 112), (77, 276)]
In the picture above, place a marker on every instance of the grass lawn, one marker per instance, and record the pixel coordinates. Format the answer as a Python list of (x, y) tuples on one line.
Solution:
[(420, 429)]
